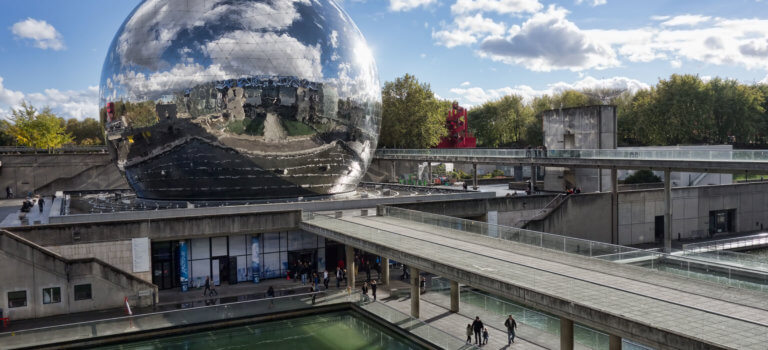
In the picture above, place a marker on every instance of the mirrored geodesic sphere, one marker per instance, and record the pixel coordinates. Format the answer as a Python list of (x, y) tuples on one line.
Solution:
[(240, 99)]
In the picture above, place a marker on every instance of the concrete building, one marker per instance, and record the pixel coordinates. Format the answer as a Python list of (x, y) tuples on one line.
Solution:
[(37, 282), (591, 127)]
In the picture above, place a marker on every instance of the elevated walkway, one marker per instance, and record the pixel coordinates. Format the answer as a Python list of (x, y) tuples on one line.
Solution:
[(674, 160), (651, 307)]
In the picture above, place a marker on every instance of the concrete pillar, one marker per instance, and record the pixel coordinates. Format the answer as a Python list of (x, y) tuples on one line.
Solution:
[(533, 179), (614, 342), (599, 180), (394, 172), (429, 173), (385, 270), (350, 265), (566, 334), (614, 207), (415, 292), (667, 212), (454, 296), (474, 176)]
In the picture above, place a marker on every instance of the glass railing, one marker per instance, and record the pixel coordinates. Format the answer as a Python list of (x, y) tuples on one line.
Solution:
[(599, 250), (728, 243), (496, 310), (680, 154), (159, 320), (711, 271), (414, 326)]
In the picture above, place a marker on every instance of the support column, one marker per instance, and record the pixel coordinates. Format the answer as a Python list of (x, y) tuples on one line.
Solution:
[(667, 212), (429, 173), (394, 172), (385, 270), (415, 292), (614, 342), (533, 179), (614, 207), (454, 296), (566, 334), (350, 265), (599, 180), (474, 176)]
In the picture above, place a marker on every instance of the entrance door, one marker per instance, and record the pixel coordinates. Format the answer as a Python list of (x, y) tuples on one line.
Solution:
[(224, 268), (658, 231), (161, 274)]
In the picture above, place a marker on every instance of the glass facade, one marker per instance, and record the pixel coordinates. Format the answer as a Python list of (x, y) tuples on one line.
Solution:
[(245, 99)]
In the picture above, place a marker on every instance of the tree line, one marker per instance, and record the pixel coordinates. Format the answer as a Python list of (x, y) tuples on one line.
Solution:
[(29, 127), (683, 109)]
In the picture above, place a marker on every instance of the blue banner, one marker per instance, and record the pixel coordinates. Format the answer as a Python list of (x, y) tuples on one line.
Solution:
[(255, 266), (183, 266)]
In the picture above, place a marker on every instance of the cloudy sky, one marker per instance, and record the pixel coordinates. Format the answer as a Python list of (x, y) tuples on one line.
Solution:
[(52, 51)]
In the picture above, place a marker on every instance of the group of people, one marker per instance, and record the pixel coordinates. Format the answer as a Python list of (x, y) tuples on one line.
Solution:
[(30, 203), (481, 333)]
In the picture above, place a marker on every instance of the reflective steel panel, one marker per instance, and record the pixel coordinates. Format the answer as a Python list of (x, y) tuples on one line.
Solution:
[(240, 99)]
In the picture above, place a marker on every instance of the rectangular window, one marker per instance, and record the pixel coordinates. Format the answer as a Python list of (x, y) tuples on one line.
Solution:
[(51, 295), (17, 299), (82, 292)]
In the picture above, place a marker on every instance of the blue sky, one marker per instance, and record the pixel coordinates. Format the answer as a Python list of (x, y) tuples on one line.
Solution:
[(51, 51)]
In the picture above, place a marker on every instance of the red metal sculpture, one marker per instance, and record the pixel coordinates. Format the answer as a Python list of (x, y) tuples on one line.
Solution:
[(458, 130)]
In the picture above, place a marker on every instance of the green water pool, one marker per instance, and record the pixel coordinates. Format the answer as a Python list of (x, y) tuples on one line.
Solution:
[(336, 330)]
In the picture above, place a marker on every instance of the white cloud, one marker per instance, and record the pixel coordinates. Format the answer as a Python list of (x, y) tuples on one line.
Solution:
[(9, 97), (716, 41), (423, 55), (676, 63), (67, 104), (477, 95), (498, 6), (685, 20), (593, 3), (467, 30), (43, 34), (548, 41), (466, 83), (407, 5)]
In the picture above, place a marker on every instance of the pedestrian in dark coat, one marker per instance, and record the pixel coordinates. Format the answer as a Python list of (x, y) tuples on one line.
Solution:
[(41, 203), (373, 289), (477, 326)]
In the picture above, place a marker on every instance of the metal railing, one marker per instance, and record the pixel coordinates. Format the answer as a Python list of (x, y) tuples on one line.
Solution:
[(63, 149), (693, 155)]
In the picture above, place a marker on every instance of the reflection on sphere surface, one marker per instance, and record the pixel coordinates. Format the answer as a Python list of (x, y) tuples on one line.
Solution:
[(240, 99)]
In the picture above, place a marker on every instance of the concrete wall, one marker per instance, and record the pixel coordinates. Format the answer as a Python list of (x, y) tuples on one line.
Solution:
[(25, 266), (480, 207), (588, 215), (690, 210), (584, 216), (34, 172), (592, 127), (160, 229), (115, 253)]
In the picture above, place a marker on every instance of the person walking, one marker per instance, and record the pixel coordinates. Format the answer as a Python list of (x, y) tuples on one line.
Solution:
[(338, 277), (313, 290), (469, 333), (207, 289), (271, 295), (485, 336), (8, 192), (477, 326), (373, 289), (325, 279), (423, 285), (41, 203), (304, 272), (511, 325), (365, 289)]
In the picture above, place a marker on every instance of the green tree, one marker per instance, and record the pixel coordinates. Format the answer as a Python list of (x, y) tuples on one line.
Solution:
[(42, 130), (411, 115), (86, 132), (642, 177), (501, 122)]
